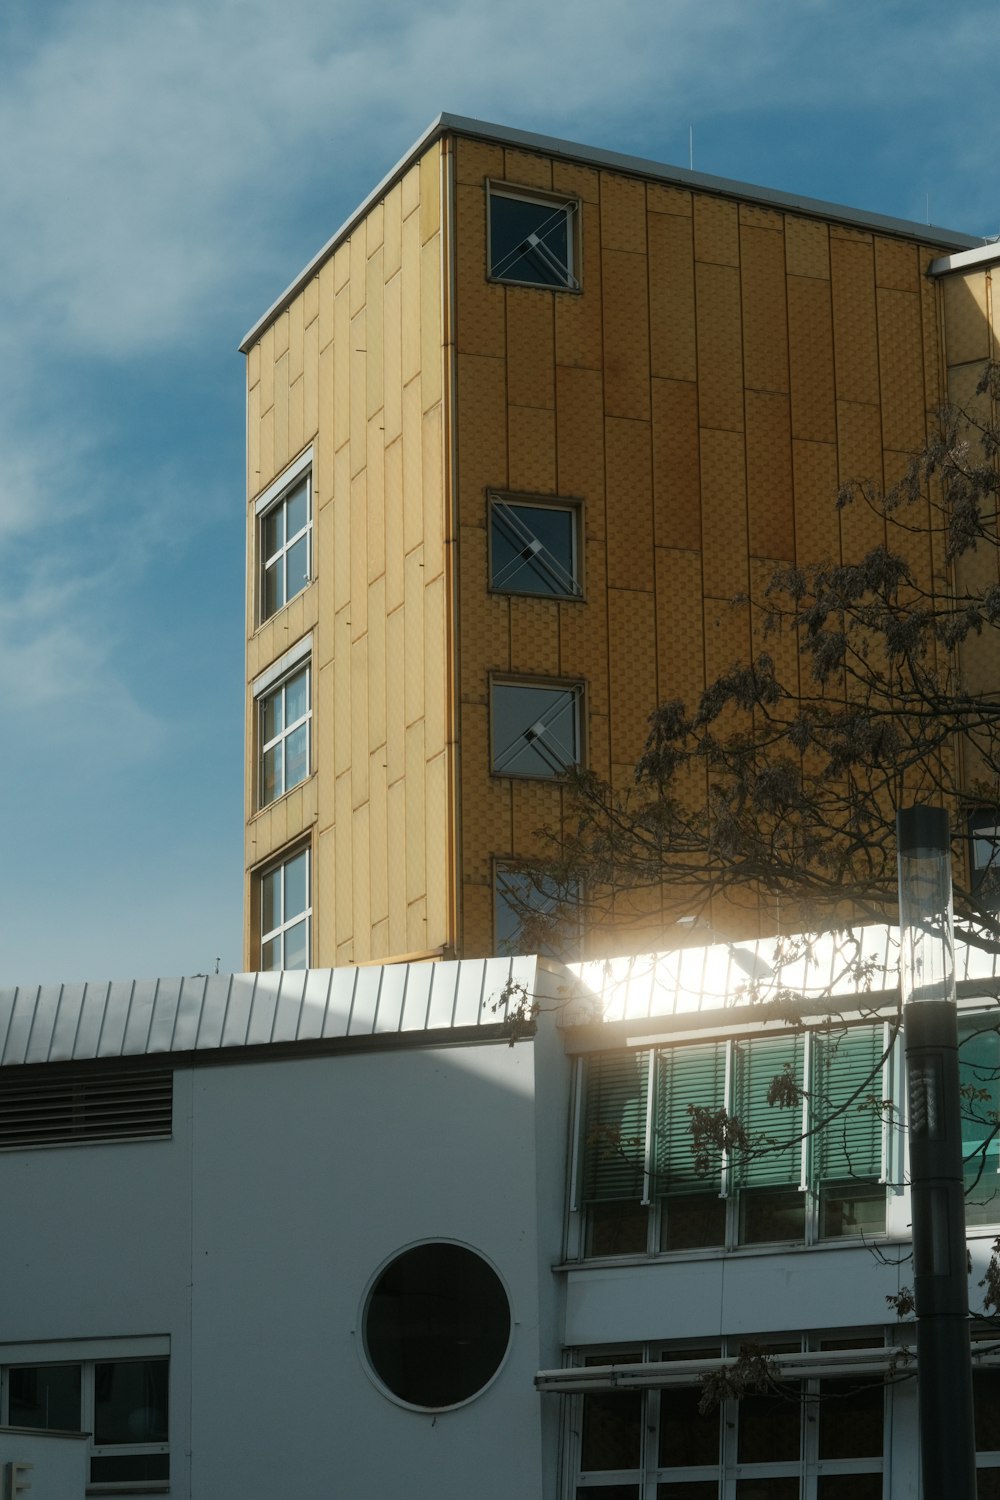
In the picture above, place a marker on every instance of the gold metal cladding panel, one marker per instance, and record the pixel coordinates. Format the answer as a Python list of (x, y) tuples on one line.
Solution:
[(323, 542), (915, 541), (720, 347), (900, 347), (373, 335), (930, 320), (392, 358), (374, 229), (583, 635), (576, 181), (623, 213), (375, 501), (410, 272), (486, 799), (253, 365), (410, 184), (580, 439), (676, 464), (897, 265), (632, 635), (484, 624), (807, 248), (376, 665), (626, 335), (781, 645), (392, 231), (296, 334), (817, 525), (629, 503), (475, 160), (342, 369), (395, 687), (531, 443), (323, 708), (716, 231), (966, 327), (266, 447), (481, 430), (342, 736), (358, 390), (310, 382), (810, 341), (327, 300), (663, 199), (359, 721), (599, 744), (579, 331), (724, 513), (477, 919), (253, 439), (855, 329), (770, 509), (432, 479), (359, 555), (267, 368), (361, 880), (673, 340), (480, 304), (296, 415), (860, 456), (324, 894), (379, 837), (435, 669), (341, 519), (358, 250), (440, 859), (534, 636), (413, 638), (281, 451), (727, 636), (762, 218), (323, 464), (280, 334), (413, 468), (342, 266), (396, 804), (765, 320), (431, 331), (680, 628), (527, 168), (430, 192), (536, 809), (530, 348), (416, 826)]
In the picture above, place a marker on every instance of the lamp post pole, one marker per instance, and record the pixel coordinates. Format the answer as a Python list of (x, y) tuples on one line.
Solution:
[(940, 1276)]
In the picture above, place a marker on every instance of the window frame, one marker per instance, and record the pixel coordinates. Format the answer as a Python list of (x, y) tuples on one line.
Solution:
[(567, 204), (503, 868), (87, 1356), (573, 690), (278, 495), (499, 501), (265, 687), (268, 935)]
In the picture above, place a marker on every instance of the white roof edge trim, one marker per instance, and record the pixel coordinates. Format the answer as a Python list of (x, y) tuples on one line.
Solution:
[(962, 260), (286, 661), (617, 161)]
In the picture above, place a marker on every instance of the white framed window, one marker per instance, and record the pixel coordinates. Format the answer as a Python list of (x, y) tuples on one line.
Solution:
[(532, 238), (535, 547), (119, 1394), (535, 913), (536, 728), (284, 723), (284, 537), (286, 914)]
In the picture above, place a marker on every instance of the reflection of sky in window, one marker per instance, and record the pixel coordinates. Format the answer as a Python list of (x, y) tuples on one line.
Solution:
[(535, 729), (529, 241), (533, 549)]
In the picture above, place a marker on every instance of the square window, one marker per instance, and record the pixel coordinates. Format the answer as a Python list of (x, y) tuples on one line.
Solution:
[(285, 715), (286, 915), (285, 537), (534, 914), (536, 729), (534, 548), (532, 239)]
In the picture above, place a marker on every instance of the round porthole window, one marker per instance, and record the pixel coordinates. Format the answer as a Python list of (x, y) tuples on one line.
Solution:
[(436, 1325)]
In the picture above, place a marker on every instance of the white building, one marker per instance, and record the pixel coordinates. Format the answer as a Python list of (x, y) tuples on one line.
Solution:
[(352, 1233)]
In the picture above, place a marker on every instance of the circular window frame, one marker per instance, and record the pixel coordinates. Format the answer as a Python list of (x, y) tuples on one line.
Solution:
[(368, 1364)]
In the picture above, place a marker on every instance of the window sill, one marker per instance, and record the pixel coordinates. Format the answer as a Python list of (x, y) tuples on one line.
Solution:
[(720, 1252), (277, 801)]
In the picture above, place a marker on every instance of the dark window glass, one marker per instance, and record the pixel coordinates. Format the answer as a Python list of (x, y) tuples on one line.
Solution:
[(612, 1430), (769, 1428), (531, 241), (616, 1229), (129, 1467), (851, 1419), (986, 1401), (130, 1401), (988, 1484), (851, 1208), (687, 1436), (536, 729), (437, 1325), (768, 1214), (45, 1396), (701, 1489), (693, 1222), (768, 1489), (533, 549), (849, 1487), (610, 1492)]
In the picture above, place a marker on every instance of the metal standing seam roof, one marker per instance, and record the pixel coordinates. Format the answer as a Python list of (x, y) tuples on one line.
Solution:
[(135, 1018), (636, 166)]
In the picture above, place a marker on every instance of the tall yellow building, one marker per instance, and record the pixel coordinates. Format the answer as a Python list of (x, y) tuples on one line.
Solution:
[(516, 436)]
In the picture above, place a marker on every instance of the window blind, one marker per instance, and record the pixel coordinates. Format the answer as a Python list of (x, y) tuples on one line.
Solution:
[(615, 1126)]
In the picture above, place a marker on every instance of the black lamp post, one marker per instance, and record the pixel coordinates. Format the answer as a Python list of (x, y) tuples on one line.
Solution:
[(940, 1276)]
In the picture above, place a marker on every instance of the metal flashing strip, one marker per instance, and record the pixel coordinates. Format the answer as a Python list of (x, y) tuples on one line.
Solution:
[(635, 166), (658, 1376), (965, 260)]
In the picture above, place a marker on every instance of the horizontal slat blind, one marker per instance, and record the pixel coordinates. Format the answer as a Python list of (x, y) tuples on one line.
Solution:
[(685, 1076), (979, 1073), (774, 1161), (849, 1144), (615, 1126), (93, 1103)]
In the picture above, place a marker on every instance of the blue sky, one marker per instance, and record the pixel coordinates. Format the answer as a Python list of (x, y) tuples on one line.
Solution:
[(166, 166)]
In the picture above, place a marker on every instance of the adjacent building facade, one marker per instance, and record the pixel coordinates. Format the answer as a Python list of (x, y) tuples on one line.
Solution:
[(516, 437)]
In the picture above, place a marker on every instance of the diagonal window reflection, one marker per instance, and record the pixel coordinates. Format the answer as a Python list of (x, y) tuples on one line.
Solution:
[(536, 729), (533, 549)]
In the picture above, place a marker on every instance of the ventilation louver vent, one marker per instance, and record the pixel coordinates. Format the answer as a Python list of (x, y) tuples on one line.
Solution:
[(71, 1105)]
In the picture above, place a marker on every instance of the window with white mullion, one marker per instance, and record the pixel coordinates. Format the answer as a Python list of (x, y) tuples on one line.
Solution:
[(286, 914), (285, 715), (285, 534)]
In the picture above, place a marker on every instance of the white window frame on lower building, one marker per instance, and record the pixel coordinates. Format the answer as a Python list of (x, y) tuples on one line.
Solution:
[(92, 1358), (290, 921), (271, 691), (285, 560)]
